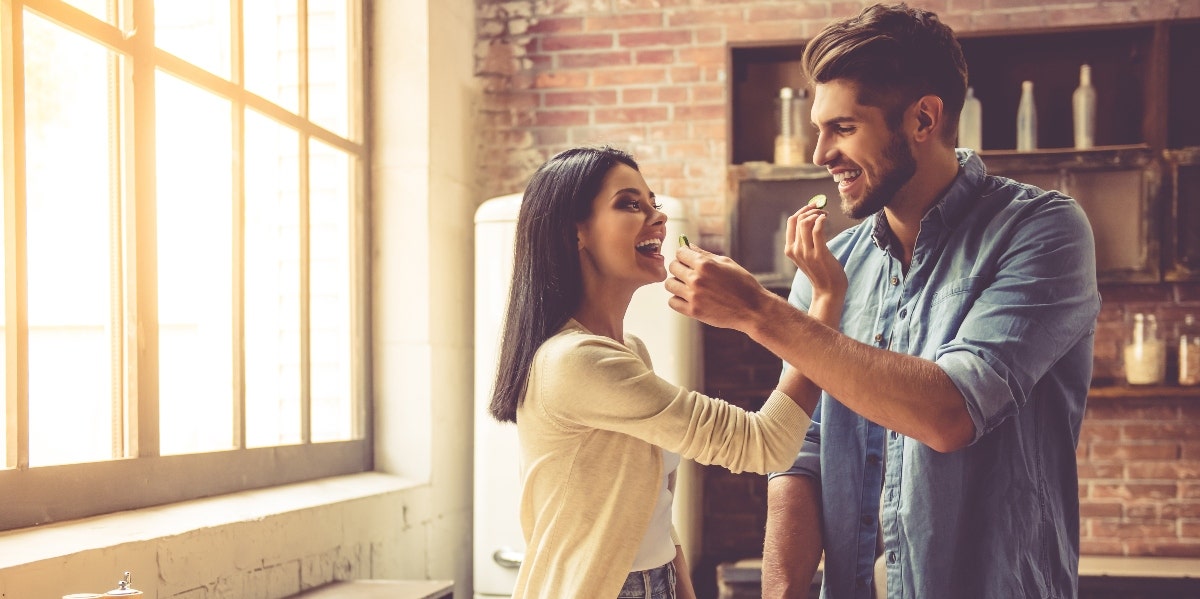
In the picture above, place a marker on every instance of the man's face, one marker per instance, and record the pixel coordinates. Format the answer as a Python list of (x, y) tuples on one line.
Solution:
[(870, 161)]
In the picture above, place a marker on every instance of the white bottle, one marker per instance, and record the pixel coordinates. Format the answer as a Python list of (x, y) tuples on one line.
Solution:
[(970, 123), (1083, 107), (789, 145), (1026, 119)]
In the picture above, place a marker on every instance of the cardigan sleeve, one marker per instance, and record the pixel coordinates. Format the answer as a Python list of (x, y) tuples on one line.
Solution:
[(581, 380)]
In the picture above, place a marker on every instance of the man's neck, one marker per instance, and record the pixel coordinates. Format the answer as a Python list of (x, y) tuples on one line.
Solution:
[(934, 175)]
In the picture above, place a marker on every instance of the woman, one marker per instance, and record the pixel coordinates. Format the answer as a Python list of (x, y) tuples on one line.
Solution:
[(600, 434)]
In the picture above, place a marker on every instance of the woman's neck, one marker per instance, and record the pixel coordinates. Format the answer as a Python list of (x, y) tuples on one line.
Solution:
[(604, 314)]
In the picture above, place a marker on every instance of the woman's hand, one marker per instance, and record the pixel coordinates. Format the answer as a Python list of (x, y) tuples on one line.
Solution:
[(806, 247)]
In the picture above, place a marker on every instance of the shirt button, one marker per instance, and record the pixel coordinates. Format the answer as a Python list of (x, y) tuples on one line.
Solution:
[(872, 459), (867, 520), (895, 281), (891, 557), (903, 312), (895, 435), (878, 337)]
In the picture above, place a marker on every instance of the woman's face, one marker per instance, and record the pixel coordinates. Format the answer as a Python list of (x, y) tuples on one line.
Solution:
[(622, 239)]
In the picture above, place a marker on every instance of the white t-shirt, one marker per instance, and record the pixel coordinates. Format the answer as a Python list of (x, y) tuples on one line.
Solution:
[(657, 547)]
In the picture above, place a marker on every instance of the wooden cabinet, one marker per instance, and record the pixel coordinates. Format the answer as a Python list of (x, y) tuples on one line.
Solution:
[(1140, 186)]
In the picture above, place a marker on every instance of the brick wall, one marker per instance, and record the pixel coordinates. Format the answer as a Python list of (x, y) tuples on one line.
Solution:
[(650, 76)]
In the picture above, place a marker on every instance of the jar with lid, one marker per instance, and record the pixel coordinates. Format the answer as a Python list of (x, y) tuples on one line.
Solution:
[(1189, 351), (1145, 351)]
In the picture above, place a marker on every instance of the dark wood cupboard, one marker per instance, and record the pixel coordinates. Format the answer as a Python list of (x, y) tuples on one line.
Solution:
[(1140, 185)]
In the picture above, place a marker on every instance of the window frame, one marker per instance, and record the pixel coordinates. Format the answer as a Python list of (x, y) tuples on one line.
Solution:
[(45, 494)]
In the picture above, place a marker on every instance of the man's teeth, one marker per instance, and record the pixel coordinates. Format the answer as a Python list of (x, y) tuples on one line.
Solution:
[(842, 176)]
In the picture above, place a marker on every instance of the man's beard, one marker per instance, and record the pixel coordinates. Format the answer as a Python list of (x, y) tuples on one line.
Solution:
[(898, 167)]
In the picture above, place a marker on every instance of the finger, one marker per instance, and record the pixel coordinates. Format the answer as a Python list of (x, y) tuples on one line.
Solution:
[(819, 237), (678, 288), (679, 305), (680, 271)]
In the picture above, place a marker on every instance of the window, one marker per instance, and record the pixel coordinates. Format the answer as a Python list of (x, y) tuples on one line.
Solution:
[(184, 250)]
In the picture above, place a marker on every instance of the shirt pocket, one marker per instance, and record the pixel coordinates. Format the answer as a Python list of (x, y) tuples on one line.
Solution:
[(943, 316)]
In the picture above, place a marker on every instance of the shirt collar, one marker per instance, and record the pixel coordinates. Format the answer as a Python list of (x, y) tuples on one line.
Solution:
[(952, 207)]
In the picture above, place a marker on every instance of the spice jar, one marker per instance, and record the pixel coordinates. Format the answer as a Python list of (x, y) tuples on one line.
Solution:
[(1145, 351), (123, 589), (1189, 351)]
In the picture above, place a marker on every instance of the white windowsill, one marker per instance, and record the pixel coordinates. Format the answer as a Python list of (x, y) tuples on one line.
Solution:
[(29, 545)]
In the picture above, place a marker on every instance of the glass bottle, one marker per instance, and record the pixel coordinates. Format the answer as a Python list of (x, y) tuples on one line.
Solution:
[(789, 144), (1026, 119), (1145, 351), (970, 123), (1189, 351), (1083, 108)]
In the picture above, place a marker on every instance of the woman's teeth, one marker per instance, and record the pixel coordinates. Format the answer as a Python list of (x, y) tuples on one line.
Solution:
[(650, 246), (846, 175)]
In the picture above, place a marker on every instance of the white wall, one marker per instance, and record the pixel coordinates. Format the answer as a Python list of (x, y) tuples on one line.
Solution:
[(411, 519)]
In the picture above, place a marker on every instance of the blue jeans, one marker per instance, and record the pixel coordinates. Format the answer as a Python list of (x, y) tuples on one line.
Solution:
[(658, 583)]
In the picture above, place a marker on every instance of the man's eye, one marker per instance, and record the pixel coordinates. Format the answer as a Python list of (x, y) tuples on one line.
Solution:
[(844, 130)]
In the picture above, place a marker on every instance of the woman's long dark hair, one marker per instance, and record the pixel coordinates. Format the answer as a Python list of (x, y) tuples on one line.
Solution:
[(546, 284)]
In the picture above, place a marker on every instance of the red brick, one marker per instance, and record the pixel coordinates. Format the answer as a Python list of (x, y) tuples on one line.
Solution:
[(602, 133), (685, 74), (558, 118), (687, 149), (675, 37), (709, 35), (1135, 451), (1181, 470), (655, 56), (1099, 431), (515, 101), (1092, 471), (1181, 509), (550, 25), (647, 114), (703, 55), (1141, 511), (629, 76), (1190, 530), (668, 131), (587, 60), (1132, 490), (582, 41), (640, 95), (1189, 490), (672, 95), (707, 16), (1100, 509), (788, 12), (710, 130), (580, 98), (1161, 431), (561, 79), (1132, 530), (645, 20), (710, 111), (1101, 547), (765, 32), (702, 94), (650, 4)]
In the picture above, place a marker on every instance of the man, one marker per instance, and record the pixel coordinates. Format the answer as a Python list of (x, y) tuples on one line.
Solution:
[(941, 461)]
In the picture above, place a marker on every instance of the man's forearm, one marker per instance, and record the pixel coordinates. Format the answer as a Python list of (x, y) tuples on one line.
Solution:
[(794, 542), (917, 398)]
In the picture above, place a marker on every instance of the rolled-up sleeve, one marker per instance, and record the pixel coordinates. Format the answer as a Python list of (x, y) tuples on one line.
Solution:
[(1041, 301)]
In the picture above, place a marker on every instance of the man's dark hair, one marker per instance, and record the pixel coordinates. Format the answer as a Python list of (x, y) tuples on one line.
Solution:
[(894, 54)]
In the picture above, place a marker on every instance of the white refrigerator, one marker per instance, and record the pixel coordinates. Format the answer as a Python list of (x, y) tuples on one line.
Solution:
[(674, 343)]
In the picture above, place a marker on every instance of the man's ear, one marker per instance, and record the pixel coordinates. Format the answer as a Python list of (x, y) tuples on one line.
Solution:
[(929, 115)]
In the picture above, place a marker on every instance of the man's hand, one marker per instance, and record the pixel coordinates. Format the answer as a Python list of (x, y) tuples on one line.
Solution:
[(714, 289), (807, 247)]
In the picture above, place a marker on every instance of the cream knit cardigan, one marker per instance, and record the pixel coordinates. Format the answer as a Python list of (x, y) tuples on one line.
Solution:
[(591, 425)]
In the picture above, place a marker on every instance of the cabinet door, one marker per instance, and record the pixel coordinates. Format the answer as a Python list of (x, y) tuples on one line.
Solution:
[(1183, 232), (1118, 189)]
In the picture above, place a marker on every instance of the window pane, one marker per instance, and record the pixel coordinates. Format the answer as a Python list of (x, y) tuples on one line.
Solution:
[(329, 65), (96, 8), (195, 293), (329, 287), (272, 282), (197, 32), (69, 170), (271, 51)]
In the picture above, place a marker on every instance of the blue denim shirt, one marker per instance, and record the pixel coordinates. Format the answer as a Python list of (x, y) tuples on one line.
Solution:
[(1001, 294)]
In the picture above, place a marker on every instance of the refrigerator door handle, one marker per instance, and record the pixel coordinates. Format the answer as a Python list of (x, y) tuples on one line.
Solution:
[(508, 558)]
